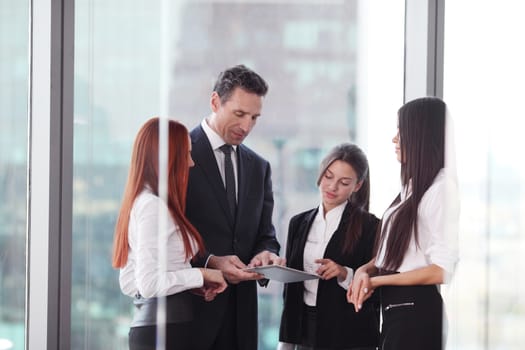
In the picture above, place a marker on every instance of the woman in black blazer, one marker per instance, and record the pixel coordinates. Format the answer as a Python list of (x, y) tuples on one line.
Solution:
[(332, 240)]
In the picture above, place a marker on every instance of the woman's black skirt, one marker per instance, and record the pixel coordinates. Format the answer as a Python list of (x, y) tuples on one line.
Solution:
[(413, 318)]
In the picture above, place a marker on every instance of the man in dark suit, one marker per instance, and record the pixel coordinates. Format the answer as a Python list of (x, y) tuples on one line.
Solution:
[(230, 202)]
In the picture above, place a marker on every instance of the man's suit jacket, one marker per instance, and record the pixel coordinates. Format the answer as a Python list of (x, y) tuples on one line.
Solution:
[(249, 233), (338, 325)]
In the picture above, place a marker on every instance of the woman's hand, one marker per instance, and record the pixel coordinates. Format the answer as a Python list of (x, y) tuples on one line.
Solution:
[(214, 283), (360, 289), (330, 269)]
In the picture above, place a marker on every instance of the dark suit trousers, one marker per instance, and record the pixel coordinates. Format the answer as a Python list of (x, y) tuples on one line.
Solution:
[(145, 338), (227, 336)]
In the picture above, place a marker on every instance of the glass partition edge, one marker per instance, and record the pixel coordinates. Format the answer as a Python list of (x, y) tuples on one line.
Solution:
[(50, 175)]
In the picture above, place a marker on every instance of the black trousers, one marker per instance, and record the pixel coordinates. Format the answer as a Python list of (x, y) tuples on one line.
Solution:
[(412, 318), (145, 338), (227, 336), (309, 331)]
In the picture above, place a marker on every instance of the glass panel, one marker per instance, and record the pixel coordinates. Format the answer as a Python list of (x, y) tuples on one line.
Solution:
[(334, 70), (14, 58), (483, 86)]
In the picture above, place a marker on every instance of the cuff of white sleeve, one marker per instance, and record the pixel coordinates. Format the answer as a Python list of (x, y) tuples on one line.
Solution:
[(195, 278), (349, 276)]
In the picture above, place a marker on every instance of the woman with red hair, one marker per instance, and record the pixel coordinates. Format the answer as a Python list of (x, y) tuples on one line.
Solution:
[(144, 218)]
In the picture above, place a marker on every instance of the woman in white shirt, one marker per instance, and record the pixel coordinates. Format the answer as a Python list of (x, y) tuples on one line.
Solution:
[(149, 268), (332, 240), (416, 250)]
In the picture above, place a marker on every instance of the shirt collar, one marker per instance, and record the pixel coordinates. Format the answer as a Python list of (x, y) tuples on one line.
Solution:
[(334, 213), (215, 139)]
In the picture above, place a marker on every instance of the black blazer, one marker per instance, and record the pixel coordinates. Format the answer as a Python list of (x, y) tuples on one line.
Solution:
[(338, 325), (249, 233)]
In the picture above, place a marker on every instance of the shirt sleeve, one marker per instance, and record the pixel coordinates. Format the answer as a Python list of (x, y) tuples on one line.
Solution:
[(349, 277), (175, 275), (127, 279), (439, 220)]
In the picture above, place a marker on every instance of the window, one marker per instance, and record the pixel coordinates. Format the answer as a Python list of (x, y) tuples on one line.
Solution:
[(483, 82), (133, 62), (14, 58)]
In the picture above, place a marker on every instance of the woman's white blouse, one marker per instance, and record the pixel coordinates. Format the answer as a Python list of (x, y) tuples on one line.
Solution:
[(142, 273), (438, 218), (322, 230)]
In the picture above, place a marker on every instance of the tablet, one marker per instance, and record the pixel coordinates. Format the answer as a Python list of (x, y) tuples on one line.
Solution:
[(282, 273)]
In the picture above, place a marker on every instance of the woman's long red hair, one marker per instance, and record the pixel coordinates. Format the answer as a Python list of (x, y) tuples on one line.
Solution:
[(143, 172)]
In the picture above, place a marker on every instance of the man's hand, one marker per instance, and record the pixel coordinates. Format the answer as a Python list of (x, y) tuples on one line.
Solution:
[(233, 268), (266, 258)]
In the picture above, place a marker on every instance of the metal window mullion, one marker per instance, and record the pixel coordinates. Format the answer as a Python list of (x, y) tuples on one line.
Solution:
[(50, 175), (424, 39)]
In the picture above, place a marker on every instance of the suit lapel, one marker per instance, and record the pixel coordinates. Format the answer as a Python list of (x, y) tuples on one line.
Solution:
[(304, 229), (335, 241), (244, 170), (204, 158), (308, 221)]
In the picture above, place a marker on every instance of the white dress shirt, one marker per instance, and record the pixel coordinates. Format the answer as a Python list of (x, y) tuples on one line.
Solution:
[(438, 217), (216, 142), (320, 233), (142, 273)]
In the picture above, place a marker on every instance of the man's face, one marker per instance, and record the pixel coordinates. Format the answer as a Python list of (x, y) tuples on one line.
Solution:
[(234, 119)]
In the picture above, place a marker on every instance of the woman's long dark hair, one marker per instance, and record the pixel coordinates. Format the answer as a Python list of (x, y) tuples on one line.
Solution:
[(360, 200), (422, 143)]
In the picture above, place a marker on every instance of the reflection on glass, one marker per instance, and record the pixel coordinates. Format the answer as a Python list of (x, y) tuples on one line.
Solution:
[(484, 89), (14, 18), (306, 50)]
